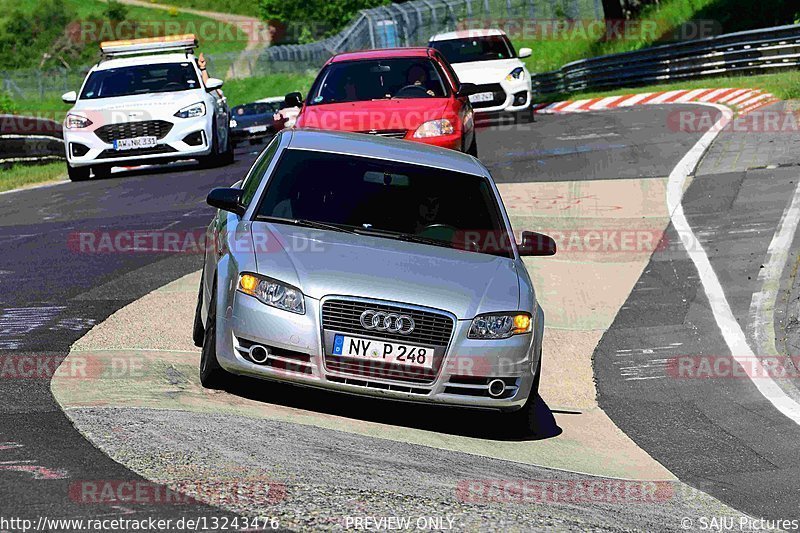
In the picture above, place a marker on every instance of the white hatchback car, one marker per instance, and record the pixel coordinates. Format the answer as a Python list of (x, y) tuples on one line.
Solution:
[(146, 102), (487, 59)]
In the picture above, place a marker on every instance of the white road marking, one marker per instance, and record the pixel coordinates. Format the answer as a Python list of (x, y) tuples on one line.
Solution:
[(689, 96), (762, 306), (735, 94), (665, 96), (575, 105), (726, 321), (712, 95), (17, 322), (741, 98), (634, 100), (602, 104)]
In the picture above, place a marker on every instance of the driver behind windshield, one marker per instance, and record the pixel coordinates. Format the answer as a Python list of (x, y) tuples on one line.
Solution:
[(354, 81), (419, 78)]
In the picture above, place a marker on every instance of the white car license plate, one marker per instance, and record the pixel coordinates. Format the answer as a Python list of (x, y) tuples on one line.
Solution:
[(481, 97), (257, 129), (136, 142), (384, 352)]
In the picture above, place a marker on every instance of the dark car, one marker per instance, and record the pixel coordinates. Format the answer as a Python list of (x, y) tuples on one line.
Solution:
[(253, 122)]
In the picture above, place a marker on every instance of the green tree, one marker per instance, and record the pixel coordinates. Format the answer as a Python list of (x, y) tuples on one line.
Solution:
[(116, 11), (24, 37), (314, 18), (6, 103)]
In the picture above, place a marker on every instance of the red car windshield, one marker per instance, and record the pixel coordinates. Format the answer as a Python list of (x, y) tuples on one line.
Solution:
[(378, 79)]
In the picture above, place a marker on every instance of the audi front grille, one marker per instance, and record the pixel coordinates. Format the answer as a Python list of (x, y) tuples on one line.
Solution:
[(432, 329), (128, 130)]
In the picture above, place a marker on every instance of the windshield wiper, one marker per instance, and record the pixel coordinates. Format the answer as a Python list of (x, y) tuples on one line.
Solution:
[(306, 223), (407, 237)]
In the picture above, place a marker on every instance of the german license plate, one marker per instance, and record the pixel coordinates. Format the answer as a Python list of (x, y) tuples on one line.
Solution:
[(134, 143), (257, 129), (381, 351), (481, 97)]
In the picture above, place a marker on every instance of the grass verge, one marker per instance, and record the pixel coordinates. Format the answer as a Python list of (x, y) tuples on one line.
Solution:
[(783, 85), (247, 90), (664, 22), (238, 7), (25, 175)]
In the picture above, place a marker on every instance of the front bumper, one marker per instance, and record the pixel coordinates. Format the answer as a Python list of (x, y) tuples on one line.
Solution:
[(85, 148), (243, 134), (510, 97), (298, 356)]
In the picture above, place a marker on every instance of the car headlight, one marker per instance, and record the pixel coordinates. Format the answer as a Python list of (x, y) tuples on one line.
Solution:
[(76, 122), (233, 123), (434, 128), (273, 293), (194, 110), (516, 74), (499, 325)]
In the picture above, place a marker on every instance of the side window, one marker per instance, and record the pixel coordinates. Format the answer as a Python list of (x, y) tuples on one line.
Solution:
[(250, 186)]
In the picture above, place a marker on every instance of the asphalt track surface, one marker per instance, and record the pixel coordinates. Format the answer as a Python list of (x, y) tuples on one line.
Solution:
[(722, 438)]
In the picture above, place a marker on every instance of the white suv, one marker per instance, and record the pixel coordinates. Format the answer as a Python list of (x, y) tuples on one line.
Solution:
[(134, 109), (487, 59)]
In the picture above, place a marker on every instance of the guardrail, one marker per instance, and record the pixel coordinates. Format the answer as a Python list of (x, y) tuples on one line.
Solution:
[(29, 140), (748, 52)]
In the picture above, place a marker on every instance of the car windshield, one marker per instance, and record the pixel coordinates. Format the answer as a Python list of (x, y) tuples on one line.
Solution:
[(386, 199), (354, 81), (475, 49), (254, 109), (140, 79)]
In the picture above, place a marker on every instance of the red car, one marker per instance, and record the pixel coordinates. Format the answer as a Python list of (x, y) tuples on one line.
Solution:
[(404, 93)]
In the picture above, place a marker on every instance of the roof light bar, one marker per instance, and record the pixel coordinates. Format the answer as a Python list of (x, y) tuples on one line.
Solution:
[(170, 43)]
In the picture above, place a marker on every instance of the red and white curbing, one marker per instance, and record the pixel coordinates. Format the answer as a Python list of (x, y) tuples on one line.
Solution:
[(742, 101)]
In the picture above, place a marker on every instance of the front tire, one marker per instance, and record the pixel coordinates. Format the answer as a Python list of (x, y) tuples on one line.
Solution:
[(524, 117), (525, 421), (101, 171), (198, 330), (473, 147), (216, 159), (212, 375), (77, 173)]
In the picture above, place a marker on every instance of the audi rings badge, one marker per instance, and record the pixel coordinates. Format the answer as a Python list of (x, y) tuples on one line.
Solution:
[(388, 322)]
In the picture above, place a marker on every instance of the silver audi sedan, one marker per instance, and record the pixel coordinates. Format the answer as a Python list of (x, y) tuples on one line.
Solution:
[(371, 266)]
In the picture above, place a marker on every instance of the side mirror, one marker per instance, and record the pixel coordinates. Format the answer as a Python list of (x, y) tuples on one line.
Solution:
[(227, 200), (466, 89), (536, 244), (524, 52), (70, 97), (212, 84), (293, 100)]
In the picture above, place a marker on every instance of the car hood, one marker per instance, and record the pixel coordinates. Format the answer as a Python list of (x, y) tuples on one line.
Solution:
[(485, 71), (143, 106), (323, 263), (394, 114)]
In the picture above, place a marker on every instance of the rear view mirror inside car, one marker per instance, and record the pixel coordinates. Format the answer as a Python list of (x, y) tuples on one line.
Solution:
[(386, 178)]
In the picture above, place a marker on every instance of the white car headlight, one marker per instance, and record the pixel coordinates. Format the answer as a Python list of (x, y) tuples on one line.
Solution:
[(434, 128), (233, 123), (273, 293), (499, 325), (516, 74), (76, 122), (194, 110)]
